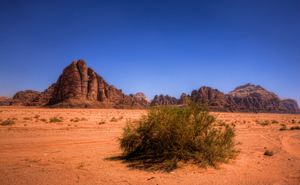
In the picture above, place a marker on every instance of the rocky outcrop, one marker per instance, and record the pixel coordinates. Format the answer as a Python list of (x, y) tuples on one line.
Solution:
[(80, 84), (164, 100), (44, 97), (4, 101), (24, 98), (142, 96), (251, 98), (291, 105)]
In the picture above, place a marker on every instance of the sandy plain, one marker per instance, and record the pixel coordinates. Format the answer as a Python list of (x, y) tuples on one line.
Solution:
[(86, 152)]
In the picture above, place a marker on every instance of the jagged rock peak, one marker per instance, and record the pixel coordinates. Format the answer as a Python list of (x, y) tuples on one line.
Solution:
[(142, 95)]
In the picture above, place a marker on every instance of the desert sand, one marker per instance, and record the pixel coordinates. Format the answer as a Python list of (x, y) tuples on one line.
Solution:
[(86, 152)]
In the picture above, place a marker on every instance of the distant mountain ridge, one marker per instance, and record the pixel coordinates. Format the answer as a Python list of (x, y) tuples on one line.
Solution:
[(245, 98)]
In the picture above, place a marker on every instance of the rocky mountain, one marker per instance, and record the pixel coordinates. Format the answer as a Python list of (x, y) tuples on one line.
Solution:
[(245, 98), (291, 104), (142, 96), (24, 98), (4, 101), (80, 86), (164, 100)]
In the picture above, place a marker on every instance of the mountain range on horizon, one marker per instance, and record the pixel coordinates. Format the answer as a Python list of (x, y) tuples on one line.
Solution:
[(81, 87)]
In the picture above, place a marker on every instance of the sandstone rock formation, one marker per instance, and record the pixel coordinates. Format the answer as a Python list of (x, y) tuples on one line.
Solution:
[(4, 101), (80, 85), (164, 100), (291, 105), (142, 96), (24, 98)]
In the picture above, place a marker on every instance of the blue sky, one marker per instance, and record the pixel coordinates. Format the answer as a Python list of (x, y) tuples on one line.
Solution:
[(155, 47)]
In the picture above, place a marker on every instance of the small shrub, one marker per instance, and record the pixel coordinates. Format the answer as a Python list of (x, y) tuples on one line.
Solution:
[(83, 119), (55, 120), (43, 120), (7, 122), (113, 119), (168, 135), (71, 119), (15, 119), (283, 127), (269, 153), (0, 120), (295, 128), (293, 121), (102, 122), (222, 124), (26, 118), (264, 123), (274, 121), (69, 125), (37, 116)]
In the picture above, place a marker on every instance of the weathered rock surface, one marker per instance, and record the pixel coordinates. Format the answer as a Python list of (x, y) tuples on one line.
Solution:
[(251, 98), (142, 96), (80, 85), (291, 105), (164, 100), (4, 101), (44, 97), (24, 98)]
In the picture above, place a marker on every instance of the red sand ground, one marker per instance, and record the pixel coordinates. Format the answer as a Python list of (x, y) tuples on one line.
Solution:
[(35, 152)]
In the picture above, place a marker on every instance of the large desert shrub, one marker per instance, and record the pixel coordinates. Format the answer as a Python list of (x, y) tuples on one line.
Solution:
[(170, 134)]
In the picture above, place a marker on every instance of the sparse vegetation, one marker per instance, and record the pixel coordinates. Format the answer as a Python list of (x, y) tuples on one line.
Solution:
[(55, 120), (15, 119), (113, 119), (295, 128), (293, 121), (269, 153), (102, 122), (83, 119), (7, 122), (43, 120), (37, 116), (26, 118), (264, 123), (283, 127), (274, 121), (168, 135)]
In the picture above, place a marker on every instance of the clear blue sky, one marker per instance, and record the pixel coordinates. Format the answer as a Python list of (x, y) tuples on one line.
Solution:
[(155, 47)]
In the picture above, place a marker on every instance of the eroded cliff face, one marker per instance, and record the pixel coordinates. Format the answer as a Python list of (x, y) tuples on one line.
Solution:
[(291, 104)]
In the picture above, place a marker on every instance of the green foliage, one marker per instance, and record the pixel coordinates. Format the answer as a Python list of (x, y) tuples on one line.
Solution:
[(7, 122), (269, 153), (26, 118), (168, 135), (295, 128), (55, 120), (274, 121), (102, 122)]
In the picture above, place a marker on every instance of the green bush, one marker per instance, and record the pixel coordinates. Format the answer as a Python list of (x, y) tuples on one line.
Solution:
[(274, 121), (283, 127), (36, 116), (168, 135), (55, 120), (7, 122)]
